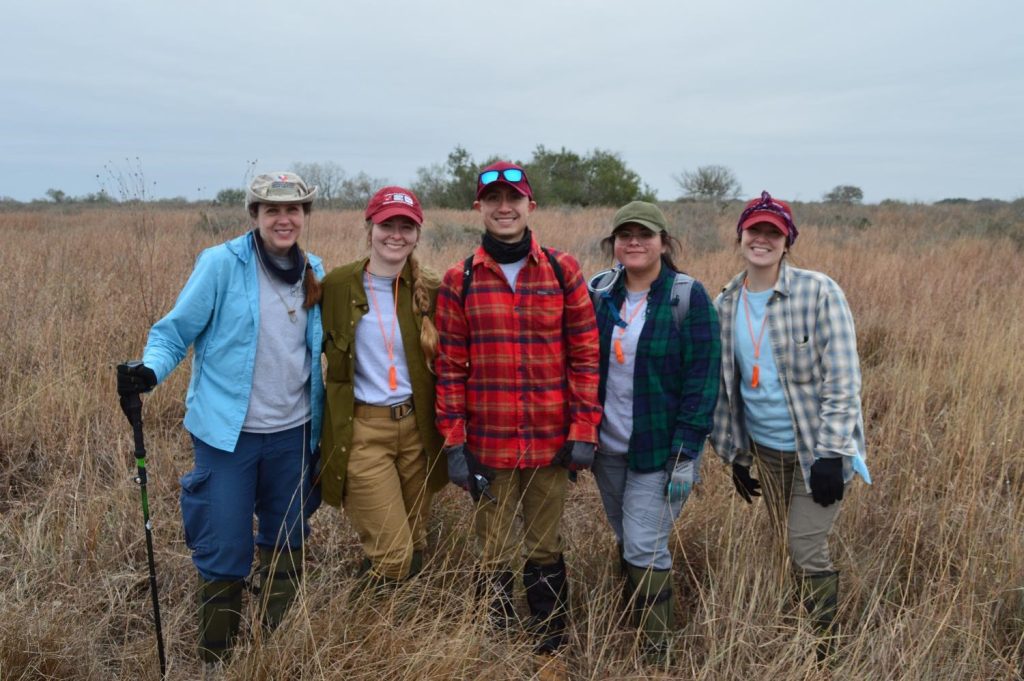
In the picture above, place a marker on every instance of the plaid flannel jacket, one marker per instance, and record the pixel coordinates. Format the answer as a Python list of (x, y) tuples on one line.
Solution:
[(676, 376), (814, 344), (517, 371)]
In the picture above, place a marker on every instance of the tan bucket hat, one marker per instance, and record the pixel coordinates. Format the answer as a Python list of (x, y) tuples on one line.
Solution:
[(282, 188)]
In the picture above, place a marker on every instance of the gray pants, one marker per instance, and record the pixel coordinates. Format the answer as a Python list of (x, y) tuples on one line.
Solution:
[(794, 514), (638, 510)]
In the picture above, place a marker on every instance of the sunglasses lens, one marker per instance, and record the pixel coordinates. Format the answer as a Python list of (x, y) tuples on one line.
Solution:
[(488, 177), (513, 175)]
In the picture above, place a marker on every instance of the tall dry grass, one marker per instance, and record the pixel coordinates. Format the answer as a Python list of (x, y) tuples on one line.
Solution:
[(932, 554)]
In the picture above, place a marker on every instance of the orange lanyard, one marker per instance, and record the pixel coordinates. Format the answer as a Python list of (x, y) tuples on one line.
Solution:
[(620, 356), (756, 374), (389, 343)]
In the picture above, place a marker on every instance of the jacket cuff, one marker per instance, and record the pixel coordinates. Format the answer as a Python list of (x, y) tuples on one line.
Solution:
[(581, 432)]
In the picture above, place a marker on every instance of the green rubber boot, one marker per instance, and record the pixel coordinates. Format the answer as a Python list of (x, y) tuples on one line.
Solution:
[(820, 596), (653, 594), (282, 573), (220, 614)]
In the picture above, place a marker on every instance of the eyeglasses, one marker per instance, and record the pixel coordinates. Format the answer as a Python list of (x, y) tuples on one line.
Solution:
[(512, 175)]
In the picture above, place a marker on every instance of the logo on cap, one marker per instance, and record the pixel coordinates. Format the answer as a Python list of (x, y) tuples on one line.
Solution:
[(398, 198)]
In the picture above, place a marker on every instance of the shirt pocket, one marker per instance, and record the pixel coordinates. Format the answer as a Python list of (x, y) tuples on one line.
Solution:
[(802, 361), (544, 308), (338, 348)]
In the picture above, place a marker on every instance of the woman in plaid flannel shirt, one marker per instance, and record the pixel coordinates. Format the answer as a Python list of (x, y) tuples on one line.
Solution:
[(790, 399), (659, 381)]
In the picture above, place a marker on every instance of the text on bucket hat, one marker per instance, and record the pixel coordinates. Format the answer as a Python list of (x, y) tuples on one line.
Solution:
[(641, 213), (390, 202), (505, 173), (772, 211), (282, 187)]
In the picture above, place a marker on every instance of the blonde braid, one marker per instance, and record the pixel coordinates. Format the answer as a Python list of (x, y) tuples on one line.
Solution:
[(421, 305)]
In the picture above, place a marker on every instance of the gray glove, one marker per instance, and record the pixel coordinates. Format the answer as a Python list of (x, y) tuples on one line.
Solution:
[(680, 478), (458, 466), (578, 456)]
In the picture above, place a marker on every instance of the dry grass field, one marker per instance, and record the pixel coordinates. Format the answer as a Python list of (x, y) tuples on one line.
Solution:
[(932, 555)]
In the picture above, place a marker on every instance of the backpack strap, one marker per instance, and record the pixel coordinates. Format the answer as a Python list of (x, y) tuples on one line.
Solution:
[(680, 298), (467, 279)]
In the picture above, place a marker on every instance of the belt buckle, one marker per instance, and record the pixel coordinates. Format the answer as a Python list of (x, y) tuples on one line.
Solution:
[(400, 411)]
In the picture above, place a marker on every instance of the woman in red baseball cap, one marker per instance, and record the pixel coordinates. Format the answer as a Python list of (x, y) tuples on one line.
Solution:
[(380, 446), (789, 399)]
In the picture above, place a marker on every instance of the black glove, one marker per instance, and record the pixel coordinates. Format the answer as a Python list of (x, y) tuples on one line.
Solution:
[(578, 456), (746, 486), (134, 378), (827, 481)]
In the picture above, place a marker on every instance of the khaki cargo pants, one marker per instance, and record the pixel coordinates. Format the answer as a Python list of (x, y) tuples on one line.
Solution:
[(386, 495), (540, 494)]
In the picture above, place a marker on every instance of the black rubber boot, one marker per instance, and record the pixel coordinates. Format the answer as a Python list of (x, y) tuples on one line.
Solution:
[(416, 566), (547, 593), (654, 607), (282, 573), (220, 614), (496, 589), (820, 596)]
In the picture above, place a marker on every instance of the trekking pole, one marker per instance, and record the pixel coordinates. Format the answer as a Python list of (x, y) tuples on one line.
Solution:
[(131, 405)]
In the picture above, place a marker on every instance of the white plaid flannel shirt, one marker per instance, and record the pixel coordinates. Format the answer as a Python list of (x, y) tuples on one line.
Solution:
[(814, 344)]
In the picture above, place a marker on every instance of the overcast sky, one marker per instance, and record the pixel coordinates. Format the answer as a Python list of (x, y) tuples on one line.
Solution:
[(914, 100)]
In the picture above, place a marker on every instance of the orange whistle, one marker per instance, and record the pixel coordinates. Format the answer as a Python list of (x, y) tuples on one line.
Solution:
[(753, 378), (620, 356), (393, 378)]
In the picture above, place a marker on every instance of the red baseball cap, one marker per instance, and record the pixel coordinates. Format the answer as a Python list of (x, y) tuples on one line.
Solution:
[(505, 173), (770, 210), (390, 202)]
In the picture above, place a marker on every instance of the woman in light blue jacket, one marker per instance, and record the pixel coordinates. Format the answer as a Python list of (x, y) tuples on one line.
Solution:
[(251, 310)]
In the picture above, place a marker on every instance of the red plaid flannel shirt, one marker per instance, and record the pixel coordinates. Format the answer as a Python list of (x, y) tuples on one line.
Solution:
[(517, 372)]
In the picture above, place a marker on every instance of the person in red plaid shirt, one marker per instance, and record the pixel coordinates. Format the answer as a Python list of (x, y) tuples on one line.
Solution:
[(517, 375)]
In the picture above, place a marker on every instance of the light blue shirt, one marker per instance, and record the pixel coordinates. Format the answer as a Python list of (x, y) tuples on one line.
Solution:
[(218, 311), (765, 410)]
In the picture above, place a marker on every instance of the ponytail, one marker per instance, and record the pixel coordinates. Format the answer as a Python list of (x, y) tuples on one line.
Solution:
[(421, 306)]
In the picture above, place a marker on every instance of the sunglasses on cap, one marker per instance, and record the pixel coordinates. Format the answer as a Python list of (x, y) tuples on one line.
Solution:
[(512, 175)]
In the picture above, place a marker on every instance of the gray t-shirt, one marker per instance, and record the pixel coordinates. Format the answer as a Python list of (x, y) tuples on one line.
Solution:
[(279, 399), (617, 422), (371, 370)]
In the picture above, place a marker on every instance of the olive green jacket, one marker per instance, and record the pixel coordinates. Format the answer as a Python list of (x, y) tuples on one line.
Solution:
[(344, 304)]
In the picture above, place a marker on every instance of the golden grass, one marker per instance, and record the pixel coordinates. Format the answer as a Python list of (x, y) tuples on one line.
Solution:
[(932, 554)]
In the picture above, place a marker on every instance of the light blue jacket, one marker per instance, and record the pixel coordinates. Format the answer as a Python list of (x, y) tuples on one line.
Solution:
[(219, 311)]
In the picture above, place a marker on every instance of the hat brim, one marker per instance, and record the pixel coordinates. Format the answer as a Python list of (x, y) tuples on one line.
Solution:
[(485, 187), (764, 216), (653, 226), (254, 198), (388, 212)]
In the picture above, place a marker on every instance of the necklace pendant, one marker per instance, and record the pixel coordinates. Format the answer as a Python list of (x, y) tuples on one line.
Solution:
[(755, 376), (292, 316), (392, 378)]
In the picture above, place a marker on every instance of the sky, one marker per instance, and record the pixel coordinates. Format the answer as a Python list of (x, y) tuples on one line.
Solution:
[(915, 100)]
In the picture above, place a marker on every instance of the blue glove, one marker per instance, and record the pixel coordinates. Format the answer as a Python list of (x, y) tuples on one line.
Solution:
[(680, 478)]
